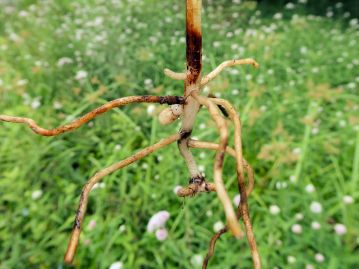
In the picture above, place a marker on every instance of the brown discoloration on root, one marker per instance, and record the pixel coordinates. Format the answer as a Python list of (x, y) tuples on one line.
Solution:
[(220, 159), (93, 114)]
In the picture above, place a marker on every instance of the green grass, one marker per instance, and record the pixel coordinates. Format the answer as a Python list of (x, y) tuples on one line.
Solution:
[(300, 114)]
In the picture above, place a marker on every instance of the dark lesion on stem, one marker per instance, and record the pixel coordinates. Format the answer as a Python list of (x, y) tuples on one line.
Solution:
[(193, 41), (196, 185), (171, 100), (185, 134), (77, 222), (197, 180), (193, 54)]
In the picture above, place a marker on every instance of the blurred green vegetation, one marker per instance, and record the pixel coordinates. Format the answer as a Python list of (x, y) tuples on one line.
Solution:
[(60, 59)]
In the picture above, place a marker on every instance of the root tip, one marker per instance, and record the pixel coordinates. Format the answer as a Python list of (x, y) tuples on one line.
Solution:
[(255, 64)]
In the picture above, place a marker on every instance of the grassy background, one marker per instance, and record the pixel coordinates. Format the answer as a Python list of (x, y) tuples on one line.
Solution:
[(300, 123)]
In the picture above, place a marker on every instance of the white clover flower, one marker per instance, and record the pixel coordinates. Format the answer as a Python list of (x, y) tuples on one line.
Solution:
[(315, 70), (315, 225), (148, 82), (22, 82), (14, 37), (63, 61), (316, 207), (319, 257), (353, 22), (206, 90), (310, 188), (299, 216), (1, 82), (291, 259), (235, 91), (157, 221), (297, 228), (234, 46), (278, 16), (202, 126), (209, 213), (116, 265), (161, 234), (197, 260), (99, 185), (237, 200), (118, 147), (342, 123), (57, 105), (151, 109), (91, 225), (347, 199), (122, 228), (289, 6), (36, 194), (218, 226), (351, 85), (98, 21), (297, 151), (23, 13), (274, 209), (330, 14), (81, 74), (340, 229), (201, 168), (145, 166), (202, 155), (35, 104), (315, 130), (182, 39), (303, 50), (281, 185), (229, 34), (292, 179), (216, 44), (309, 266)]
